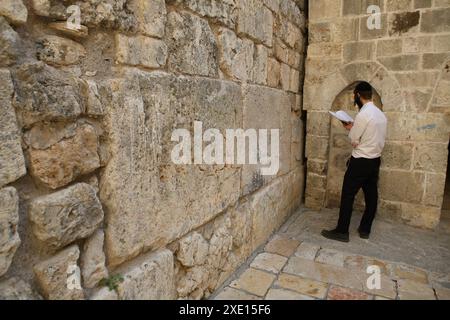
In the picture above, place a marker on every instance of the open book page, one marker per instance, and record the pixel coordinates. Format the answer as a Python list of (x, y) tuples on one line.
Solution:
[(342, 116)]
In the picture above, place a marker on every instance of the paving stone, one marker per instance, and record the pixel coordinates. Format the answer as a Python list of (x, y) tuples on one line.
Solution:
[(282, 246), (307, 251), (410, 290), (442, 293), (411, 273), (269, 262), (301, 285), (330, 256), (339, 293), (387, 288), (254, 281), (233, 294), (280, 294), (325, 273)]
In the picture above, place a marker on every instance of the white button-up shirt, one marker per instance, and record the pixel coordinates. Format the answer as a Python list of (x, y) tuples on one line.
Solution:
[(368, 132)]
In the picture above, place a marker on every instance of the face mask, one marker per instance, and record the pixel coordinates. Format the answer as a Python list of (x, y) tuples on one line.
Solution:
[(358, 101)]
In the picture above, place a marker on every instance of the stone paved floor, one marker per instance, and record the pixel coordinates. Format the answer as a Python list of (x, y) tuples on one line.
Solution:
[(298, 264)]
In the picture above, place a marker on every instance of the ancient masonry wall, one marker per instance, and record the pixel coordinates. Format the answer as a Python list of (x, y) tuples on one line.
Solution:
[(407, 60), (87, 188)]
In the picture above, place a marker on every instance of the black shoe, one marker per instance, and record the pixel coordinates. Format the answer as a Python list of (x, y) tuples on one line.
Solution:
[(363, 235), (334, 235)]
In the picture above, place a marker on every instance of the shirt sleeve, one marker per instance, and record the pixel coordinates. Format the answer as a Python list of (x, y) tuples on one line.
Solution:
[(358, 129)]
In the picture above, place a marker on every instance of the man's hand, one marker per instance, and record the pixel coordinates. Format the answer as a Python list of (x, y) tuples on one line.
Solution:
[(348, 125)]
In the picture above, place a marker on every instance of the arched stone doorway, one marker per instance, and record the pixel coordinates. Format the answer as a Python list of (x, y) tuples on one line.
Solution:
[(340, 149)]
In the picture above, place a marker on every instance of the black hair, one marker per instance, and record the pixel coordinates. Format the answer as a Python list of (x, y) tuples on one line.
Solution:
[(364, 89)]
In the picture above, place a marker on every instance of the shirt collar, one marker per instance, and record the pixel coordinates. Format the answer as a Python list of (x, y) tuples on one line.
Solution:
[(364, 106)]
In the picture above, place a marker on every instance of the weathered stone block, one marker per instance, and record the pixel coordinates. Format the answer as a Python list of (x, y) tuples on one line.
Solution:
[(260, 65), (236, 55), (434, 60), (65, 216), (320, 32), (401, 63), (12, 162), (14, 10), (66, 159), (254, 281), (351, 7), (389, 47), (291, 10), (185, 32), (420, 216), (316, 147), (441, 43), (366, 34), (417, 44), (318, 123), (56, 50), (59, 277), (402, 186), (255, 21), (434, 189), (140, 51), (9, 220), (324, 9), (419, 4), (397, 155), (403, 23), (222, 11), (9, 43), (273, 73), (435, 21), (144, 110), (354, 51), (44, 93), (93, 267), (17, 289), (151, 16), (193, 250), (431, 157), (149, 277), (398, 5)]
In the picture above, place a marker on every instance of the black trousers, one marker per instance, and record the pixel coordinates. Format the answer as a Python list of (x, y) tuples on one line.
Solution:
[(361, 173)]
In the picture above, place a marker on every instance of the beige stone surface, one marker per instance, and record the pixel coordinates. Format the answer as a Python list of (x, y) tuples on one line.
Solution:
[(339, 293), (12, 162), (10, 44), (104, 294), (67, 159), (282, 246), (56, 50), (193, 250), (149, 277), (92, 262), (303, 286), (269, 262), (17, 289), (330, 256), (307, 251), (163, 207), (233, 294), (140, 51), (411, 290), (66, 215), (9, 220), (254, 281), (14, 10), (281, 294), (410, 273), (59, 277), (151, 16), (255, 20)]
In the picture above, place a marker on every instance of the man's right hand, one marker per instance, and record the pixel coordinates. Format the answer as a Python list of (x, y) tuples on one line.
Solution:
[(348, 125)]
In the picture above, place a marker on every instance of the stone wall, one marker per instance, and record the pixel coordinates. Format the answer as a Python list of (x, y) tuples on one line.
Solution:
[(407, 61), (89, 197)]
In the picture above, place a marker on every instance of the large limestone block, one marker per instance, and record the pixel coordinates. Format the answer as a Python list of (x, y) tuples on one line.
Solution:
[(325, 9), (266, 108), (12, 161), (14, 10), (270, 208), (67, 159), (140, 51), (402, 186), (65, 216), (9, 43), (192, 45), (420, 216), (93, 267), (236, 55), (149, 277), (44, 93), (9, 219), (56, 50), (59, 277), (255, 20), (151, 16), (17, 289), (150, 200), (193, 250), (223, 11)]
